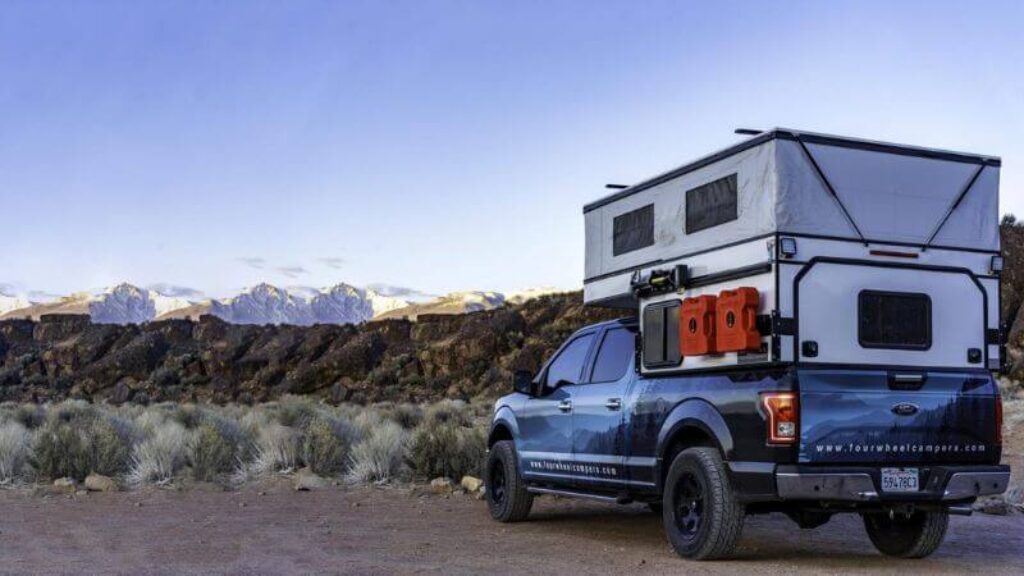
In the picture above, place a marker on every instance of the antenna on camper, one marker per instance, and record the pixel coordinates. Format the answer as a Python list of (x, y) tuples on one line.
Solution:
[(747, 132), (616, 186)]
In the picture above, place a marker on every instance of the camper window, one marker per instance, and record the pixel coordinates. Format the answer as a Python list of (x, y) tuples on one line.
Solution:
[(712, 204), (661, 335), (900, 320), (633, 230)]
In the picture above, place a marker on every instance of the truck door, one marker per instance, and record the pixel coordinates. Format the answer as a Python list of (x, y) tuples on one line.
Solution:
[(545, 422), (598, 405)]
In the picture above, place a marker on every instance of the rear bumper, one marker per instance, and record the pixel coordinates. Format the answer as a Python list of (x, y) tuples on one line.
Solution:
[(862, 484)]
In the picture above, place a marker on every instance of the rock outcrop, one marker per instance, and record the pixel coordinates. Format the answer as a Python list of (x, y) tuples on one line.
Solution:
[(456, 356)]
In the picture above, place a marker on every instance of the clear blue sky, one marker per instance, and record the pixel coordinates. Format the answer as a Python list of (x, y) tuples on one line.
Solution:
[(439, 145)]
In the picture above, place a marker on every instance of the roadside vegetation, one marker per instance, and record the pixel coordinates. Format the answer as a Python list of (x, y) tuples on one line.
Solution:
[(169, 443)]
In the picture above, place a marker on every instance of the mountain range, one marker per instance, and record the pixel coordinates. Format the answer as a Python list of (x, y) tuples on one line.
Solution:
[(261, 304)]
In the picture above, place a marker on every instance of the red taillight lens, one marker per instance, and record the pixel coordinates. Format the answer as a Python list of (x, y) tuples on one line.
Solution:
[(999, 419), (783, 412)]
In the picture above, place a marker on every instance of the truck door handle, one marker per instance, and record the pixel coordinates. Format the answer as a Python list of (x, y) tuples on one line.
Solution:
[(613, 404), (565, 405)]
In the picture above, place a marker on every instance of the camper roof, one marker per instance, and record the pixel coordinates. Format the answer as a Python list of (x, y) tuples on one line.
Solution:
[(806, 137)]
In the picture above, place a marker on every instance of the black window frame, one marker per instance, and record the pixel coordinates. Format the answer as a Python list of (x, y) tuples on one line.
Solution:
[(692, 227), (645, 235), (545, 387), (673, 359), (889, 345), (597, 355)]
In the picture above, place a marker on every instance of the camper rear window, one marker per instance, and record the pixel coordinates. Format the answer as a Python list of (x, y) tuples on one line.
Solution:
[(633, 230), (661, 335), (901, 320), (712, 204)]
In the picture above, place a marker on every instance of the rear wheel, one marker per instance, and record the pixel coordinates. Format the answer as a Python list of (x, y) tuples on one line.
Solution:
[(702, 516), (507, 497), (914, 536)]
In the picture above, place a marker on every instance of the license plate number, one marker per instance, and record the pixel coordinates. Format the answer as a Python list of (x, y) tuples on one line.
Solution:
[(899, 480)]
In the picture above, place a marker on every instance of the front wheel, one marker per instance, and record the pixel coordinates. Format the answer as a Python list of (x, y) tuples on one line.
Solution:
[(702, 517), (507, 497), (914, 536)]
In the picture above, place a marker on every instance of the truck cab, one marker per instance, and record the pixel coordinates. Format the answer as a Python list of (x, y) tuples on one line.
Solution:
[(812, 329)]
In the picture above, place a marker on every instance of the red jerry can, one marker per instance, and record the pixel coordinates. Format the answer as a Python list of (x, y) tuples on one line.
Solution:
[(697, 326), (736, 325)]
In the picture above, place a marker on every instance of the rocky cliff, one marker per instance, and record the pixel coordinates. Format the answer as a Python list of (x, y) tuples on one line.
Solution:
[(463, 356)]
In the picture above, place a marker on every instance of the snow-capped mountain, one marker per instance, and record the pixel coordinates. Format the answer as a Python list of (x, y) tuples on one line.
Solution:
[(12, 303), (261, 304)]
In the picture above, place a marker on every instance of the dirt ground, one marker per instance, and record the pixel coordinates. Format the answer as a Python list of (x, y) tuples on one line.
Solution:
[(271, 529)]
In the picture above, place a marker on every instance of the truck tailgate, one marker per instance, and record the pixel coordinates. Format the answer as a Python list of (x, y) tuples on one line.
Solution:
[(888, 417)]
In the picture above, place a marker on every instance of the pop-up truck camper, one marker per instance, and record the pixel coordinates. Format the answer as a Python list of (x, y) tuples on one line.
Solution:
[(802, 247), (812, 327)]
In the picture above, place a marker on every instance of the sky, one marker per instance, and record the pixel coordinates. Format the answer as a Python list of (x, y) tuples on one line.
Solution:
[(438, 145)]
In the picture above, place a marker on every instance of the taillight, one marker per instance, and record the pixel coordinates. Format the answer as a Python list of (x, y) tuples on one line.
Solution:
[(783, 411), (999, 419)]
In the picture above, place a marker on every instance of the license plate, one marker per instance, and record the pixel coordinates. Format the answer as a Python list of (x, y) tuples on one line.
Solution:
[(899, 480)]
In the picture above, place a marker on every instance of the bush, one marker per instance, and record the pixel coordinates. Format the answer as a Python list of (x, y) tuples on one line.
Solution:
[(325, 445), (110, 440), (14, 444), (449, 411), (160, 455), (446, 449), (61, 446), (379, 457), (408, 416), (211, 453), (276, 449), (30, 416)]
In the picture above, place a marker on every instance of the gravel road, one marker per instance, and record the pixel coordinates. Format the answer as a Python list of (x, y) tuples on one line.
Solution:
[(271, 529)]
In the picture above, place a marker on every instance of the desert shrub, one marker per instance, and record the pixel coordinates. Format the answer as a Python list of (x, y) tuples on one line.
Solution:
[(110, 442), (61, 446), (30, 416), (276, 448), (446, 449), (159, 455), (408, 416), (455, 412), (14, 445), (211, 453), (325, 445), (295, 411), (380, 456), (365, 421)]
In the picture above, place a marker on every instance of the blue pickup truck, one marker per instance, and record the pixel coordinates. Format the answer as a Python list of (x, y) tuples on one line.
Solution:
[(704, 451)]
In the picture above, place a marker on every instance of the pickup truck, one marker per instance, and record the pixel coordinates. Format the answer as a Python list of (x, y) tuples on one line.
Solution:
[(905, 449)]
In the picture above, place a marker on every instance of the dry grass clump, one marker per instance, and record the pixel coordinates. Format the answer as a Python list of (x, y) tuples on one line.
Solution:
[(380, 457), (447, 443), (160, 454), (159, 443), (14, 452)]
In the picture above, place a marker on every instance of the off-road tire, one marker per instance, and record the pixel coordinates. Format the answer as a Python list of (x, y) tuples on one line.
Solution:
[(507, 498), (702, 517), (902, 537)]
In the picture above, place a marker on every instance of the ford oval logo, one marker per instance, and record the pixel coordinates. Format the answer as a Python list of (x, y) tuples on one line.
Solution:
[(904, 409)]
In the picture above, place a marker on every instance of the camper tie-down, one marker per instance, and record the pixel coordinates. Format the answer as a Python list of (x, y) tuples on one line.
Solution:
[(812, 328)]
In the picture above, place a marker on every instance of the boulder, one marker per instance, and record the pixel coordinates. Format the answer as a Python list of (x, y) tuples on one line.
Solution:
[(68, 484), (306, 479), (442, 486), (100, 483), (471, 483)]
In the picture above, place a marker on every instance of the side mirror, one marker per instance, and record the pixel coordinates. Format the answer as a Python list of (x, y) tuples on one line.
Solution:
[(522, 381)]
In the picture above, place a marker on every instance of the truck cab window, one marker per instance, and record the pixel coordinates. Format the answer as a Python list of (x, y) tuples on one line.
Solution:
[(661, 334), (568, 365), (617, 347)]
